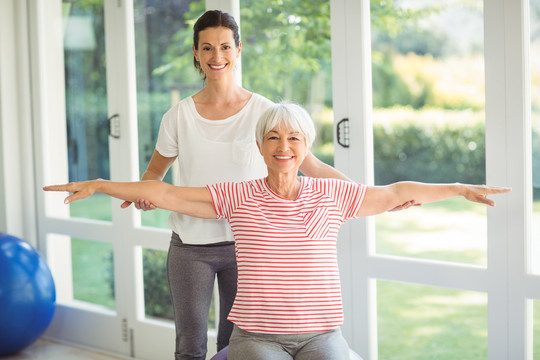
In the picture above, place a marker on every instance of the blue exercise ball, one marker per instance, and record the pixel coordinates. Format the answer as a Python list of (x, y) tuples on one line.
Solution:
[(27, 295)]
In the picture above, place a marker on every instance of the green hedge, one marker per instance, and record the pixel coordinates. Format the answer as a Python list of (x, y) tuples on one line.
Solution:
[(423, 152), (157, 299), (429, 153)]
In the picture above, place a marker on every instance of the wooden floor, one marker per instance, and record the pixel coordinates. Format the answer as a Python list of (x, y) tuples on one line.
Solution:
[(49, 350)]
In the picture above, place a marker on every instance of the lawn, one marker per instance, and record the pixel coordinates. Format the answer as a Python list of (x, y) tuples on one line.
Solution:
[(414, 322), (423, 322)]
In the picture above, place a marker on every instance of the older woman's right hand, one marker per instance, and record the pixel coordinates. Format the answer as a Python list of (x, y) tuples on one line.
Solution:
[(80, 190)]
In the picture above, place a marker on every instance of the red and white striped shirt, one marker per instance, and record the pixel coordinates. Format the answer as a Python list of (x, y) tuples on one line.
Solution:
[(288, 277)]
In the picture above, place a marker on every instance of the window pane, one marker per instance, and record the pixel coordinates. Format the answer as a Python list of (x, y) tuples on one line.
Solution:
[(535, 117), (86, 98), (421, 322), (97, 207), (156, 288), (165, 73), (93, 272), (428, 122), (300, 29)]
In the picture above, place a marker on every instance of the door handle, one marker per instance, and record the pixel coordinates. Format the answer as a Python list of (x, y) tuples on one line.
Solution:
[(342, 132), (114, 126)]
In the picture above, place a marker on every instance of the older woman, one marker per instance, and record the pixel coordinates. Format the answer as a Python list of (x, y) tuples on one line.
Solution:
[(288, 304)]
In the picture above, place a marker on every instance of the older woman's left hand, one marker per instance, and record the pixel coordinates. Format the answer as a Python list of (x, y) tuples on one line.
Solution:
[(479, 193)]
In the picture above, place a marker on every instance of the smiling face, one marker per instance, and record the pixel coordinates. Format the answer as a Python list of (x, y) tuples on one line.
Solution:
[(284, 134), (283, 149), (217, 52)]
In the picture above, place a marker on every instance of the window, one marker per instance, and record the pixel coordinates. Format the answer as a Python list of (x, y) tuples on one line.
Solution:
[(428, 124), (86, 102)]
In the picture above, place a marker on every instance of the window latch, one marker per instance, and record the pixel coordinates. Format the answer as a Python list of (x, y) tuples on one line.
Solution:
[(114, 126), (342, 132)]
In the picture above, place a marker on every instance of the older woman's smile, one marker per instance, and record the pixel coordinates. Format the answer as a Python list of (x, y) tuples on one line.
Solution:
[(282, 157)]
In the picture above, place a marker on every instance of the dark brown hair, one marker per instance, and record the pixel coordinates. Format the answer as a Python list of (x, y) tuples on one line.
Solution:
[(211, 19)]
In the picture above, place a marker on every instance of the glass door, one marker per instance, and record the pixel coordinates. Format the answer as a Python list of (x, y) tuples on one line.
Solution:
[(429, 125), (420, 84), (98, 252)]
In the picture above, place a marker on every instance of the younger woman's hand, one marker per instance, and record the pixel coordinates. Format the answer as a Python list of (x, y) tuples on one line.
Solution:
[(406, 205), (140, 204)]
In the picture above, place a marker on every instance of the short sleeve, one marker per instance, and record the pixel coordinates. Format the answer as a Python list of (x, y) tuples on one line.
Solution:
[(348, 196), (167, 142), (218, 200), (227, 197)]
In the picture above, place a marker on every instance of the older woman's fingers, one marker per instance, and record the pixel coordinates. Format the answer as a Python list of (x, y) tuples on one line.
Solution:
[(79, 190), (479, 193), (497, 190), (63, 187), (485, 200), (75, 196)]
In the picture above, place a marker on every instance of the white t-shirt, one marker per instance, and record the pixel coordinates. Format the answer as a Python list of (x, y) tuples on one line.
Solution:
[(211, 151), (288, 276)]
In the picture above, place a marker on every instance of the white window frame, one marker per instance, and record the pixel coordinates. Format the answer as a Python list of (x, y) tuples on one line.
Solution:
[(17, 186)]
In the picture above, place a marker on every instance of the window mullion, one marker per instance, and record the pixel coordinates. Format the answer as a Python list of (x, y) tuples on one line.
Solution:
[(508, 163), (123, 150)]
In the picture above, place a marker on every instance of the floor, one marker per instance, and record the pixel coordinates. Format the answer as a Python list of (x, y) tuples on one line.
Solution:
[(49, 350)]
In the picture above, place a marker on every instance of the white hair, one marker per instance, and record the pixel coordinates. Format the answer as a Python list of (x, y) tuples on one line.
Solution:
[(293, 116)]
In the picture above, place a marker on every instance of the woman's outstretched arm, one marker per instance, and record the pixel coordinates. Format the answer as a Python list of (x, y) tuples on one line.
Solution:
[(185, 200), (156, 170), (379, 199)]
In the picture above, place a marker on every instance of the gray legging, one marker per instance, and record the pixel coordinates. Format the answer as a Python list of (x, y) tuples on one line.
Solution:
[(327, 345), (191, 270)]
